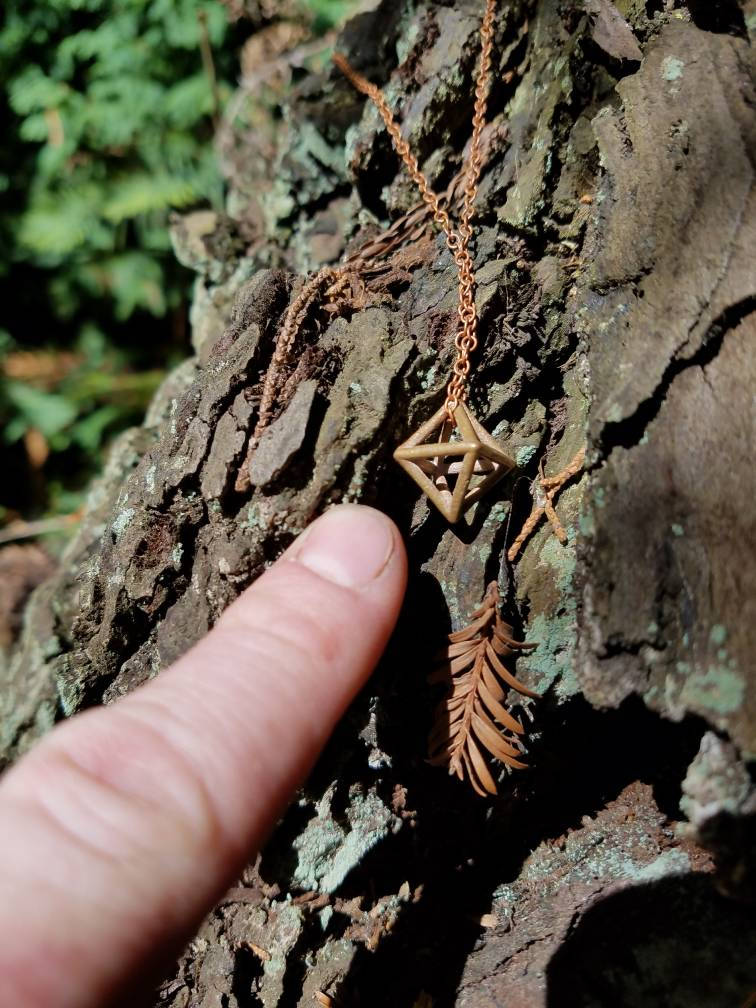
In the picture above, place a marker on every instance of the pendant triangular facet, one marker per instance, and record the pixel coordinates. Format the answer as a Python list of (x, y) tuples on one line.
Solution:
[(453, 474)]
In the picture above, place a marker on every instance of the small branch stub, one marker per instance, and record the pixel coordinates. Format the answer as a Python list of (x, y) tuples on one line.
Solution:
[(549, 487)]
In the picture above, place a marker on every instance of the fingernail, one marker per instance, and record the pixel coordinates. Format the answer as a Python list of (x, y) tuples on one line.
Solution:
[(349, 545)]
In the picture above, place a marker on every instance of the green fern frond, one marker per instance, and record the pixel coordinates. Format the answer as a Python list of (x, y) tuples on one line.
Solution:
[(57, 224), (139, 194), (133, 280), (33, 91)]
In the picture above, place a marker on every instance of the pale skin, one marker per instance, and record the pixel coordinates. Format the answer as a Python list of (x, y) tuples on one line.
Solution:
[(125, 825)]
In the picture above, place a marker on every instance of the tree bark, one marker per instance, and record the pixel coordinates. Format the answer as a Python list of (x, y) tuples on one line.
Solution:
[(615, 238)]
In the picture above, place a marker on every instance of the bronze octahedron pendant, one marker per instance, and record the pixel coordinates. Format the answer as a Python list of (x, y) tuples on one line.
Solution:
[(453, 474)]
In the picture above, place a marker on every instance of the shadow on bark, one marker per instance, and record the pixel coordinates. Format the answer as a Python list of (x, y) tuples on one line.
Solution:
[(462, 847), (675, 942)]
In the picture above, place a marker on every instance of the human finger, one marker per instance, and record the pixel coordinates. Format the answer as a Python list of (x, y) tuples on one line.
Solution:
[(124, 825)]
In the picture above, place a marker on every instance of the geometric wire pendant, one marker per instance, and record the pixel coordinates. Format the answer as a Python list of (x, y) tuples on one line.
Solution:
[(453, 474)]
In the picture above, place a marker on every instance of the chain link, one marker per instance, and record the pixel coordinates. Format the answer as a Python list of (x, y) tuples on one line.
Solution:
[(457, 240)]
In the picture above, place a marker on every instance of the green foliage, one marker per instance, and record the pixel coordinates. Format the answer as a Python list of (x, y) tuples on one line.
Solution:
[(47, 412), (329, 13), (90, 394), (112, 113), (108, 112), (108, 115), (74, 414)]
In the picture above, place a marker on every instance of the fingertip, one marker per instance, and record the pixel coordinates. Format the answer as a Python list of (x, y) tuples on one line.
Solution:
[(351, 545), (346, 573), (180, 782)]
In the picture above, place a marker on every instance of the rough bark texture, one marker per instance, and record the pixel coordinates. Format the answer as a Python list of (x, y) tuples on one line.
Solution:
[(615, 249)]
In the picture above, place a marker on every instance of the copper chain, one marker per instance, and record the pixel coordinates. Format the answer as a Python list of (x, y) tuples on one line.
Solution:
[(334, 278), (457, 240)]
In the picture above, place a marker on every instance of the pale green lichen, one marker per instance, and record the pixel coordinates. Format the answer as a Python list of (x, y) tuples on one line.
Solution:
[(718, 634), (287, 927), (498, 513), (327, 850), (616, 864), (551, 664), (716, 782), (672, 68), (592, 855), (254, 520), (70, 688), (51, 647), (718, 689), (149, 478), (355, 491), (677, 529), (495, 518), (669, 862), (587, 524), (524, 455), (407, 38), (122, 520), (458, 619), (428, 380)]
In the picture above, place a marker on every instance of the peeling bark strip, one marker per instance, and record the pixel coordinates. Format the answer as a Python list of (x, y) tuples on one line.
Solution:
[(616, 237)]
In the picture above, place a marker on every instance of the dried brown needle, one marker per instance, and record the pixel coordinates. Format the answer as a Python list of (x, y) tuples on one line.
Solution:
[(474, 715)]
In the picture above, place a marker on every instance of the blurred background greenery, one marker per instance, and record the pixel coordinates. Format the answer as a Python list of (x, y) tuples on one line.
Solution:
[(108, 114)]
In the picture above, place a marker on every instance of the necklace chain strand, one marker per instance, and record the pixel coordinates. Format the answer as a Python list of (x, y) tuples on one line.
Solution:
[(457, 240), (334, 277)]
